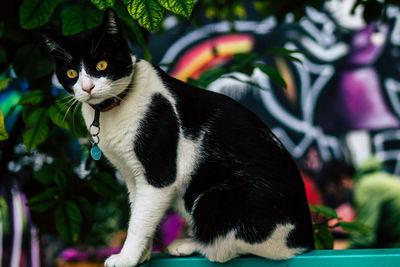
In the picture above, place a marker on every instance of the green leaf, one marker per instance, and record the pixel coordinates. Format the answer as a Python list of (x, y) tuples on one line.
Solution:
[(283, 51), (272, 74), (195, 83), (180, 7), (103, 4), (133, 28), (323, 237), (211, 75), (34, 116), (105, 185), (148, 13), (68, 118), (5, 219), (354, 227), (60, 180), (4, 82), (77, 18), (85, 207), (68, 221), (45, 200), (29, 62), (251, 83), (35, 13), (324, 211), (3, 131), (44, 66), (45, 175), (243, 68), (24, 58), (288, 53), (32, 98), (243, 58), (56, 172), (38, 128)]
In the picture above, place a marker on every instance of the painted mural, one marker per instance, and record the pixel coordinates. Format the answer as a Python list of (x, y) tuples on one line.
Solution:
[(347, 78)]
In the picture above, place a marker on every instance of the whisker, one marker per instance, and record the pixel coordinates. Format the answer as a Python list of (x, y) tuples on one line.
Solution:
[(66, 113), (101, 38), (64, 52), (91, 49), (65, 101), (73, 114)]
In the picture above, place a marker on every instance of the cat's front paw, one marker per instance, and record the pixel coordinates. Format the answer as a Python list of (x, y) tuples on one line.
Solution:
[(120, 260)]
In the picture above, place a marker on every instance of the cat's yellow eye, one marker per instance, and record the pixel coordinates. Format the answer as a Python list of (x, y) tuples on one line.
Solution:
[(101, 65), (71, 73)]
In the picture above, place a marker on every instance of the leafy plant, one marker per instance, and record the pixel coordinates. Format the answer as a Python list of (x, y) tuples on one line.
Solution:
[(323, 236), (246, 63), (63, 196)]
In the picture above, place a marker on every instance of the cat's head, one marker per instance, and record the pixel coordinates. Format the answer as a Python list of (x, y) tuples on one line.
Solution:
[(95, 64)]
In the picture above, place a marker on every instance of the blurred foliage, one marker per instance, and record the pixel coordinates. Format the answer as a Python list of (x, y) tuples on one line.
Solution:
[(52, 123), (323, 235), (246, 64)]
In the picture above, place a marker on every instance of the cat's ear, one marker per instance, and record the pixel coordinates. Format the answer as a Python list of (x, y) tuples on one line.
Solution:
[(111, 24)]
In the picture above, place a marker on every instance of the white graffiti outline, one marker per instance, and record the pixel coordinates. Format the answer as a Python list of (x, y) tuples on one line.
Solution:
[(309, 92), (393, 88), (324, 36), (385, 155), (394, 12)]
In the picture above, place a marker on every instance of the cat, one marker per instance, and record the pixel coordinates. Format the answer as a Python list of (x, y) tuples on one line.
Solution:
[(178, 146)]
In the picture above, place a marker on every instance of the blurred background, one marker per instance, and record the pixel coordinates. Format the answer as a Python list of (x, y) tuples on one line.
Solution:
[(323, 75)]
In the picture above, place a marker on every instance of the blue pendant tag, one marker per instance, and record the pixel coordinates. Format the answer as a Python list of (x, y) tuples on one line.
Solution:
[(95, 152)]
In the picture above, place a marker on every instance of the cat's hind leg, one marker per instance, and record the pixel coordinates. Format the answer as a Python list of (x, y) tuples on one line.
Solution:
[(225, 248), (222, 249), (275, 246)]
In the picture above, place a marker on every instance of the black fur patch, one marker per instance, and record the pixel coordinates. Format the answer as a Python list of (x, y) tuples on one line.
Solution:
[(156, 142), (246, 179)]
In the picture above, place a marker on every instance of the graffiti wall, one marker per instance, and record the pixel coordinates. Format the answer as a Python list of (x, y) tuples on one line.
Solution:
[(347, 78)]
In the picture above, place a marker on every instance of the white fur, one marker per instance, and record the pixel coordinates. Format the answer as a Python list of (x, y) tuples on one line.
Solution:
[(274, 247), (182, 247), (148, 204), (188, 159), (227, 247)]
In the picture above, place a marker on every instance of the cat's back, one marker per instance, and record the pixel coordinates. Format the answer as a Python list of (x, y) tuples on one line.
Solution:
[(225, 123), (245, 172)]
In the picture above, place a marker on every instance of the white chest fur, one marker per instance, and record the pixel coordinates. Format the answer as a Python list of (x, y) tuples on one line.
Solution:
[(119, 126)]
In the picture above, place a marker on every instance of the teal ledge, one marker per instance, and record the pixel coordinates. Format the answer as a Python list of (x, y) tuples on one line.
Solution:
[(334, 258)]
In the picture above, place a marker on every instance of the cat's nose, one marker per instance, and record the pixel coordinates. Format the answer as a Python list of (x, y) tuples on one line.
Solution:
[(88, 88)]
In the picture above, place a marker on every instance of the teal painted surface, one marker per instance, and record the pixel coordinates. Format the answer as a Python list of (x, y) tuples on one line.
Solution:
[(317, 258)]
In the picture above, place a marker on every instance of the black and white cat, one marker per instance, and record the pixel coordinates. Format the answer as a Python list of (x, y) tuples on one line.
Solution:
[(178, 146)]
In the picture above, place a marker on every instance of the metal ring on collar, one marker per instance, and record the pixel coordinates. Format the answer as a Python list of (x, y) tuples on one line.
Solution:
[(91, 128)]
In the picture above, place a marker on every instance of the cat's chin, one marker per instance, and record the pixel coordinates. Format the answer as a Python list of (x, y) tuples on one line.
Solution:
[(91, 100), (94, 100)]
